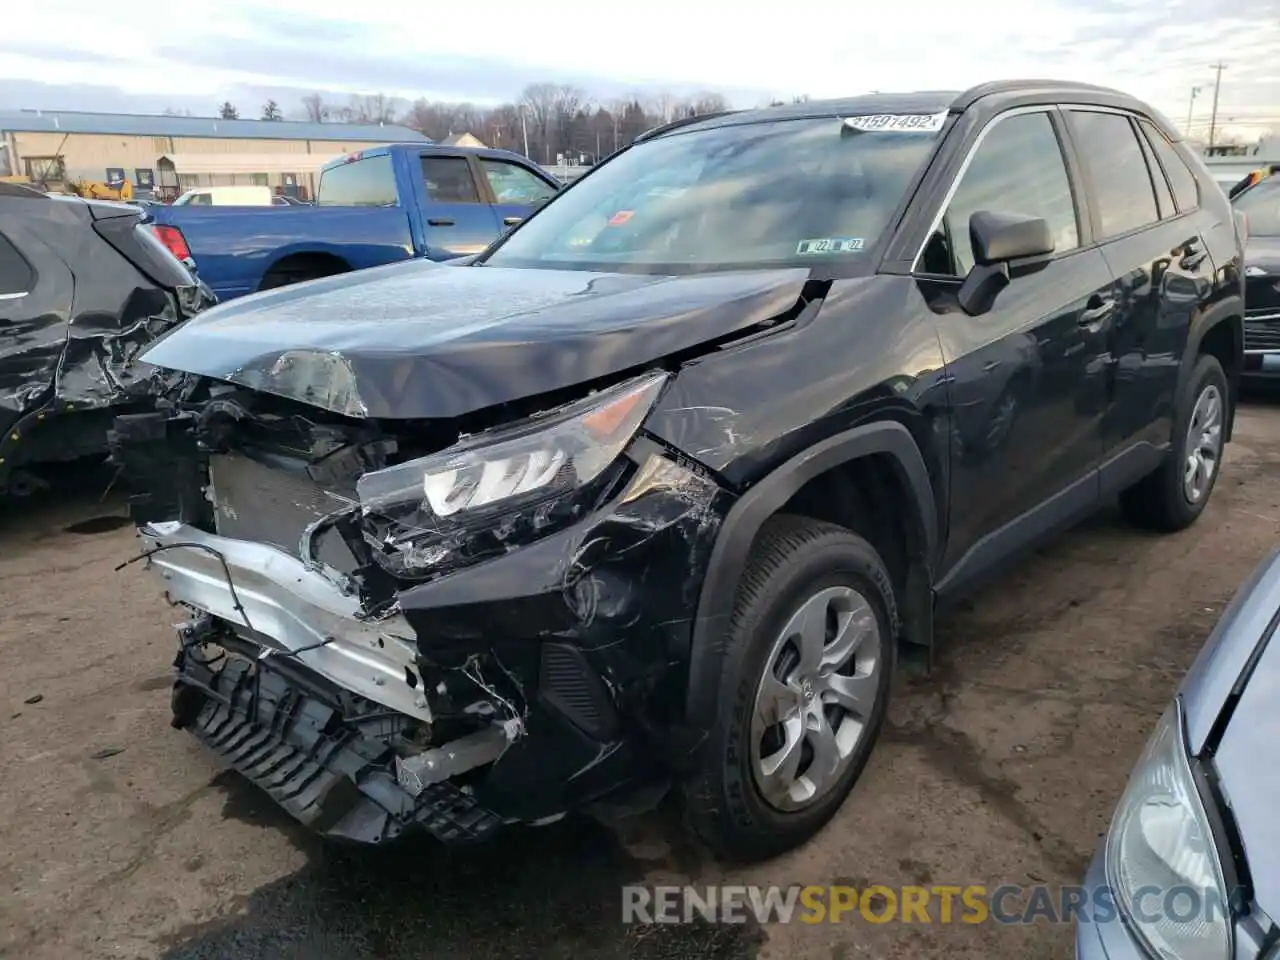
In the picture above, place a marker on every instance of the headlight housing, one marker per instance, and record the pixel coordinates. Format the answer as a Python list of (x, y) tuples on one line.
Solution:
[(1161, 855), (501, 487)]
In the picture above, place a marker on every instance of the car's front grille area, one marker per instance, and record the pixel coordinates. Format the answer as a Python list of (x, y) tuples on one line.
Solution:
[(254, 501), (1261, 295), (1261, 336)]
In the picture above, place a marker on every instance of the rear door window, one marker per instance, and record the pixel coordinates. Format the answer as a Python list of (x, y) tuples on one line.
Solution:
[(1017, 168), (1186, 190), (367, 182), (449, 180), (1118, 174), (16, 276)]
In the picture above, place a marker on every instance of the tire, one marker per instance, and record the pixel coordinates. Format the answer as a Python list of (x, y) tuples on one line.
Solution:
[(1161, 500), (795, 563)]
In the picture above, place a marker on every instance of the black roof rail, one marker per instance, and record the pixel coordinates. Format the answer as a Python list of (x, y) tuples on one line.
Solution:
[(682, 122), (986, 89)]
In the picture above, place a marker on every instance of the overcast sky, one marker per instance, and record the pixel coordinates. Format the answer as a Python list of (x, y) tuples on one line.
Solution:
[(192, 57)]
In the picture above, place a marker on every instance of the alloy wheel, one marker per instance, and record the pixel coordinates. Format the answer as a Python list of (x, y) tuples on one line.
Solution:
[(816, 697), (1203, 446)]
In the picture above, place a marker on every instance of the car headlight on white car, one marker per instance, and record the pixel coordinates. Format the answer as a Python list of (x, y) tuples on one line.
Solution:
[(1162, 862), (502, 487)]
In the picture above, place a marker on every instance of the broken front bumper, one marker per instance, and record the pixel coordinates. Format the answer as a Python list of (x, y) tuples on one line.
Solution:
[(288, 607), (318, 700)]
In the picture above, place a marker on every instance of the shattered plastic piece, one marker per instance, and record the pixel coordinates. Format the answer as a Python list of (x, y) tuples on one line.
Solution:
[(417, 773), (34, 698), (106, 753)]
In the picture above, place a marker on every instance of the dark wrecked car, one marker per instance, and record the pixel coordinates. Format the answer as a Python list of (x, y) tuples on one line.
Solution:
[(84, 289), (648, 495)]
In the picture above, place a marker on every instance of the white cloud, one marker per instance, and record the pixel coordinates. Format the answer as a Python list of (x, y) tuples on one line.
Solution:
[(1157, 49)]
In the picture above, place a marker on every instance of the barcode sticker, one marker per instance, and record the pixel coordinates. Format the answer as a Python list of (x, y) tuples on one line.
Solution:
[(821, 245), (897, 122)]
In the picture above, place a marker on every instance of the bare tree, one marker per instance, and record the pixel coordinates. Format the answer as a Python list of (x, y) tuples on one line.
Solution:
[(228, 111), (372, 108), (557, 118), (271, 111), (317, 109), (705, 103), (666, 105), (173, 112), (539, 102)]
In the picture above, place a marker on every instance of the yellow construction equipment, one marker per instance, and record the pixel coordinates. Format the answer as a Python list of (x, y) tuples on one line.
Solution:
[(95, 190)]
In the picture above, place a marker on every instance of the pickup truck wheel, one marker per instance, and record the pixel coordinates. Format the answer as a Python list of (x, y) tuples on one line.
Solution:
[(300, 268), (804, 690), (1174, 495)]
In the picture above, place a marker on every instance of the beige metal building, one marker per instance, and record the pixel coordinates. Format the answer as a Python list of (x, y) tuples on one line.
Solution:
[(167, 155)]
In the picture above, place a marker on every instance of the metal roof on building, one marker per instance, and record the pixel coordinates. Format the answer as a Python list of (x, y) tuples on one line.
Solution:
[(141, 125)]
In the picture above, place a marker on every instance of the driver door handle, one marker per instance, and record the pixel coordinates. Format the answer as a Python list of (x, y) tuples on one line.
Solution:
[(440, 222), (511, 221), (1096, 312)]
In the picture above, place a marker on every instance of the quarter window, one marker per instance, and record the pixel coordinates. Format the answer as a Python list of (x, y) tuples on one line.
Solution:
[(449, 180), (1164, 197), (16, 275), (1018, 168), (1185, 188), (1118, 171)]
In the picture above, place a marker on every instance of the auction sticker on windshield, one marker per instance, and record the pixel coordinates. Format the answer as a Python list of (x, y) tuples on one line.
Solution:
[(897, 122), (829, 245)]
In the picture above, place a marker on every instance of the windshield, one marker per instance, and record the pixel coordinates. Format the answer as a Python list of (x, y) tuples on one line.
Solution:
[(1261, 204), (776, 193)]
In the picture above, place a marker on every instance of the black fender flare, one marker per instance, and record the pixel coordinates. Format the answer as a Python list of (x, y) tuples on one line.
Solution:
[(746, 517), (1228, 310)]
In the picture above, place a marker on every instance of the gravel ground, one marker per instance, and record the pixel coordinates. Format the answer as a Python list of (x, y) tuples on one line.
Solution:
[(122, 837)]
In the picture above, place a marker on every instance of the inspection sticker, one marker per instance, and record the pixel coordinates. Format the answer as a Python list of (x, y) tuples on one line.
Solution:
[(621, 217), (829, 245), (897, 122)]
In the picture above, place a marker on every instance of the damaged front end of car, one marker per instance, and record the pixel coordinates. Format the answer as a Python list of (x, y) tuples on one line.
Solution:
[(443, 625)]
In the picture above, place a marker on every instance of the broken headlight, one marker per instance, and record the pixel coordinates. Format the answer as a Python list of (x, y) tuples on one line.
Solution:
[(504, 486)]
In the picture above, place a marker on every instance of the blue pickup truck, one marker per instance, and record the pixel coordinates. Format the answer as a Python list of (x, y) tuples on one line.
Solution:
[(373, 207)]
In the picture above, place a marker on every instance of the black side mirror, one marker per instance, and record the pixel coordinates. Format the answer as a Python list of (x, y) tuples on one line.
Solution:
[(998, 239)]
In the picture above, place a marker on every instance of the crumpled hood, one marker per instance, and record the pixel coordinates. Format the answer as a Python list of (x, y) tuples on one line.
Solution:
[(426, 340)]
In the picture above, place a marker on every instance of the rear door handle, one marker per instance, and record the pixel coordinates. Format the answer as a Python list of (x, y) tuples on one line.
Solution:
[(1097, 313), (511, 221), (440, 222)]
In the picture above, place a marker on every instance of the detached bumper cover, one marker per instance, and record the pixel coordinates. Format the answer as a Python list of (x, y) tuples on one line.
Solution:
[(278, 601), (326, 773)]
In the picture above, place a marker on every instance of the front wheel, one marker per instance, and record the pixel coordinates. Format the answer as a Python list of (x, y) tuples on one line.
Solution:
[(1175, 494), (804, 690)]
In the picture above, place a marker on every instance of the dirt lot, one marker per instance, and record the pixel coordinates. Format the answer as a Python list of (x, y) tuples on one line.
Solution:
[(121, 837)]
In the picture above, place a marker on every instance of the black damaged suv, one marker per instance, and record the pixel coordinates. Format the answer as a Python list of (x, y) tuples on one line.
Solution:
[(652, 493)]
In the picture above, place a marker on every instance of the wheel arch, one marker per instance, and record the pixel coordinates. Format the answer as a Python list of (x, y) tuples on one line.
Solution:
[(1218, 331), (766, 498), (325, 259)]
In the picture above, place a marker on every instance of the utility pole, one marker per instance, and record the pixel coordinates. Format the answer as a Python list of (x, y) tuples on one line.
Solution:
[(1217, 88), (1195, 92), (524, 127)]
